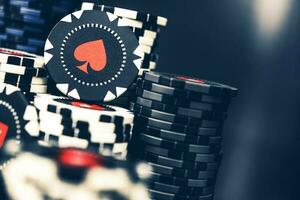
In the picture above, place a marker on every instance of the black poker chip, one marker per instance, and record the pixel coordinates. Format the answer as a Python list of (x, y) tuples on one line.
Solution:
[(182, 173), (142, 120), (187, 104), (167, 90), (180, 137), (191, 84), (18, 119), (161, 160), (169, 196), (192, 148), (177, 118), (182, 182), (174, 108), (180, 190), (194, 121), (180, 101), (179, 155), (82, 72)]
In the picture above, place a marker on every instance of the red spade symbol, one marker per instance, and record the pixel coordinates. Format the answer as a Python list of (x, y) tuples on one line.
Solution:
[(3, 133), (93, 54)]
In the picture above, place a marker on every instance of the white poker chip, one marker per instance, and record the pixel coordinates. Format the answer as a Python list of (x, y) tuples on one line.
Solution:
[(83, 111), (127, 13), (22, 58), (15, 78)]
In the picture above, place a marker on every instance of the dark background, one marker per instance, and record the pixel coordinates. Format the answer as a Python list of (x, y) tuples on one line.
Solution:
[(222, 41)]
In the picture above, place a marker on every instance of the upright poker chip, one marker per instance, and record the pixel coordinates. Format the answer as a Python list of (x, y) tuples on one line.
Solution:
[(92, 55), (191, 84), (21, 58), (18, 119)]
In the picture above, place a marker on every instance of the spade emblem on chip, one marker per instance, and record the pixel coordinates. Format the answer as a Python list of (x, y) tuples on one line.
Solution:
[(93, 54)]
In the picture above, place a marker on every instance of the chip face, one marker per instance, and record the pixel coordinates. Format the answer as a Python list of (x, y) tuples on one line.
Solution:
[(92, 55)]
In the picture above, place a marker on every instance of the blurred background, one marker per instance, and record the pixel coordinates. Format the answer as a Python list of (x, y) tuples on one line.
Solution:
[(255, 46)]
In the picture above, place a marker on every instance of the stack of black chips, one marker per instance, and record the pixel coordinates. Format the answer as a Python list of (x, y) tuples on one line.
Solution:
[(178, 131)]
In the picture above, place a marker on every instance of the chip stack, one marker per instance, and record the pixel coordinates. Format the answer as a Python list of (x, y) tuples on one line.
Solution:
[(147, 28), (23, 70), (178, 131), (25, 24), (41, 172), (67, 123)]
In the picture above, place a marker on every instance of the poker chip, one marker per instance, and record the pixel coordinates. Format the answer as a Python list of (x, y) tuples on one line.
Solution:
[(165, 147), (168, 99), (15, 78), (83, 111), (194, 148), (176, 109), (21, 58), (145, 33), (189, 130), (20, 70), (182, 155), (30, 88), (25, 71), (181, 182), (134, 23), (179, 137), (191, 84), (164, 196), (172, 113), (189, 191), (121, 132), (131, 14), (69, 172), (71, 43), (146, 27), (183, 173), (18, 117), (181, 114)]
